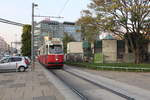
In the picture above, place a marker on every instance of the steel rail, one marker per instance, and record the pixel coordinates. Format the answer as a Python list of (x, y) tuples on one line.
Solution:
[(73, 89)]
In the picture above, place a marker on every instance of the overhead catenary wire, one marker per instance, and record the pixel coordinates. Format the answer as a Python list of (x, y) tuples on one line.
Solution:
[(19, 24), (61, 11), (13, 23), (16, 24), (48, 16), (10, 22)]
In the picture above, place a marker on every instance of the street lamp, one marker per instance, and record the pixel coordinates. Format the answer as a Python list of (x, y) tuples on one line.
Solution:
[(32, 36)]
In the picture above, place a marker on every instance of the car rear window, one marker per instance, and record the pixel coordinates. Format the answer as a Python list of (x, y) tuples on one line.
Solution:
[(14, 59)]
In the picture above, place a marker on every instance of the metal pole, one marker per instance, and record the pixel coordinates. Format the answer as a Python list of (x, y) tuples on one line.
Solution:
[(32, 39), (11, 49)]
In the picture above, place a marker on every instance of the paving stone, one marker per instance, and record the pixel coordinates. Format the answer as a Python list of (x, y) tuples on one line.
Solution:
[(28, 92), (44, 98), (37, 91), (17, 85), (45, 83), (4, 82), (41, 74), (31, 85), (47, 91), (2, 93), (8, 75), (23, 99), (6, 96), (19, 93)]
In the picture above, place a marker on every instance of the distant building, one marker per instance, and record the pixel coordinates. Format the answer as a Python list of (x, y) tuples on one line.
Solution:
[(4, 47), (47, 28), (16, 47), (72, 30), (105, 35), (55, 29)]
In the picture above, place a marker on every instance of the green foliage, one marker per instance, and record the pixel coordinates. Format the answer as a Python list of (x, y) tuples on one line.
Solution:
[(98, 58), (111, 66), (67, 39), (88, 28), (114, 64), (123, 19), (26, 41)]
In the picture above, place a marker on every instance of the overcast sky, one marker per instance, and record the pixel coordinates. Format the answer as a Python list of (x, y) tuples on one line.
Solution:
[(20, 11)]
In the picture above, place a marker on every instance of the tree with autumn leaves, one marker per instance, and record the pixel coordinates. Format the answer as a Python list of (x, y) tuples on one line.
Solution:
[(89, 29), (127, 19)]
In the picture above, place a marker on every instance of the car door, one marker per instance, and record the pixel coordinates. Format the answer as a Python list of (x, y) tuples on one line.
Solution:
[(4, 64), (13, 63)]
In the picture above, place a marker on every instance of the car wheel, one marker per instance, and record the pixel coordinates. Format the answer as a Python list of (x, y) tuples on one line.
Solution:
[(22, 69)]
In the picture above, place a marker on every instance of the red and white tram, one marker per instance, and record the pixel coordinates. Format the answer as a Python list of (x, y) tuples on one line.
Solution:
[(51, 53)]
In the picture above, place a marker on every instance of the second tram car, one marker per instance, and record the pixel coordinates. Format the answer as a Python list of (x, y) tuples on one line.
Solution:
[(51, 53)]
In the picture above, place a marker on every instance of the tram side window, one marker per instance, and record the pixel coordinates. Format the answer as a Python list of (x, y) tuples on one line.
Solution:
[(39, 52), (42, 51), (55, 49), (46, 49)]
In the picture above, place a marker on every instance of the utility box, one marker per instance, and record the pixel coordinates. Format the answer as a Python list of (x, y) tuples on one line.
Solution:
[(74, 52), (74, 47), (109, 49)]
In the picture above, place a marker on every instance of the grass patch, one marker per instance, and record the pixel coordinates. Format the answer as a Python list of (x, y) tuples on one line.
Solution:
[(114, 66)]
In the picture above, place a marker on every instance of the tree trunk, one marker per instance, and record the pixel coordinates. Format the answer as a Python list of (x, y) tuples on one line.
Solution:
[(137, 56)]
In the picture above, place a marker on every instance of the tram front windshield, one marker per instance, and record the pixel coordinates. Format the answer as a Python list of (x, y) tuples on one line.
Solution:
[(55, 49)]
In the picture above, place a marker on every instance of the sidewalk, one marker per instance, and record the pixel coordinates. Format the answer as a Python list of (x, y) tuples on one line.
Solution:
[(30, 85)]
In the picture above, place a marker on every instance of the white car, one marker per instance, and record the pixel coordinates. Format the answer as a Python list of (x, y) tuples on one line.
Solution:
[(14, 62)]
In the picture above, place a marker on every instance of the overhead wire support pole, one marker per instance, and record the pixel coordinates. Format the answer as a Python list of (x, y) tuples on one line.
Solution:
[(32, 35), (32, 38)]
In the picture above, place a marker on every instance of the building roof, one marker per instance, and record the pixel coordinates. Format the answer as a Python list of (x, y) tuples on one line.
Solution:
[(48, 22), (69, 23), (108, 37)]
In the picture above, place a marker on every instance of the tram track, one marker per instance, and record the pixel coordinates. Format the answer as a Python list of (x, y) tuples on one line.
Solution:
[(79, 92), (73, 89)]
